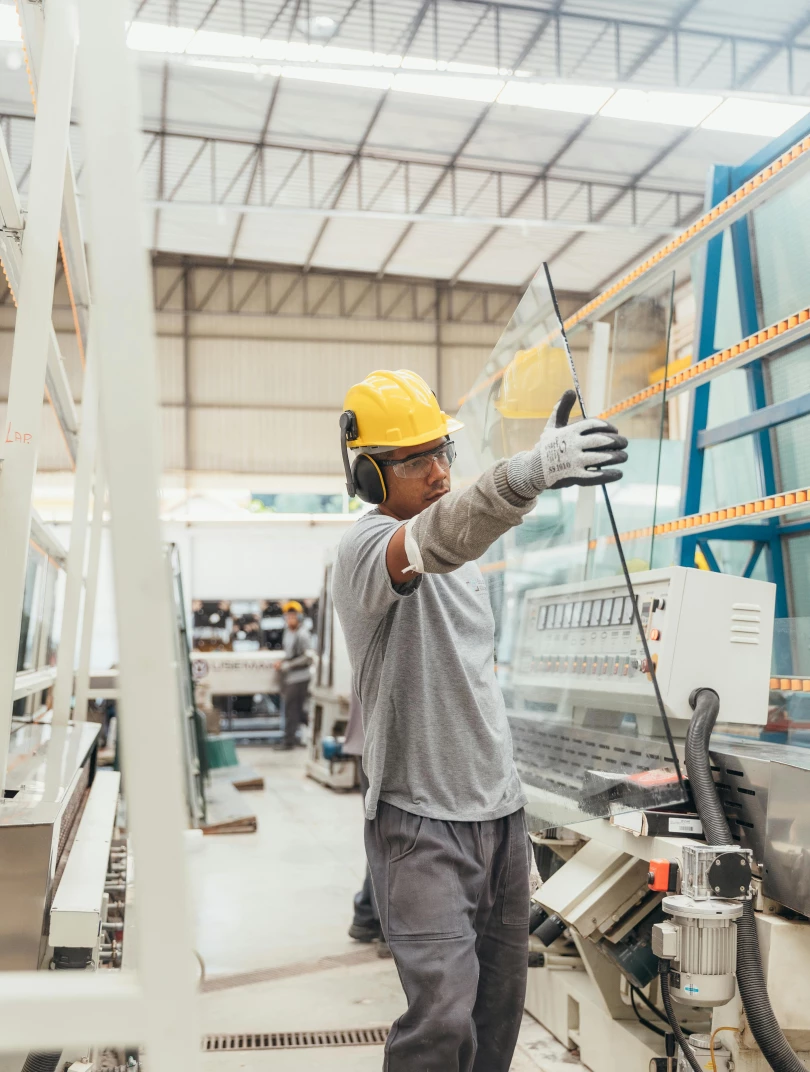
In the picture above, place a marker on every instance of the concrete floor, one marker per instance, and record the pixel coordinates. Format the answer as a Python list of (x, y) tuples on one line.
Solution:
[(278, 904)]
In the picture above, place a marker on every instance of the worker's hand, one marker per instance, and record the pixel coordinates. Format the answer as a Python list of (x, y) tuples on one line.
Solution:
[(278, 665), (568, 454)]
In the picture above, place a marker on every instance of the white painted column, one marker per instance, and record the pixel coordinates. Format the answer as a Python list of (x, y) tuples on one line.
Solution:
[(66, 657), (124, 337), (20, 438), (90, 596)]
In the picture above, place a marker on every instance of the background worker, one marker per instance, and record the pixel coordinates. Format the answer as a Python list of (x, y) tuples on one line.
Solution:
[(294, 672), (446, 836)]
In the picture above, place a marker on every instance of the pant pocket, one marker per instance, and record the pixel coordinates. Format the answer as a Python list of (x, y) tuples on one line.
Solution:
[(516, 887), (423, 897)]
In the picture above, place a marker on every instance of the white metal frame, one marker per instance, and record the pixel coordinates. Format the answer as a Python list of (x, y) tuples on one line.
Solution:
[(154, 1005)]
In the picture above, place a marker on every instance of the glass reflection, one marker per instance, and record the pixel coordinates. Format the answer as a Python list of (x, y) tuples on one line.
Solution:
[(588, 733)]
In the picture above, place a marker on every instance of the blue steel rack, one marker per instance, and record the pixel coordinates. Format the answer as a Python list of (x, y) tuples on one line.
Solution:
[(768, 534)]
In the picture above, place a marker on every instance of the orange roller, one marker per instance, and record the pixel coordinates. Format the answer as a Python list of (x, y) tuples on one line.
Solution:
[(767, 172), (722, 514), (793, 321), (772, 331), (784, 683), (749, 186), (739, 511), (806, 685), (779, 502), (769, 504), (804, 315), (761, 337), (713, 517), (790, 499), (759, 506), (795, 684), (774, 683), (743, 346), (748, 508), (801, 496), (734, 350), (777, 165), (682, 523), (795, 152), (782, 326)]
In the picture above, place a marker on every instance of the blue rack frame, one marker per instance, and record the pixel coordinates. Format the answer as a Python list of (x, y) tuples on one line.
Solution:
[(767, 535)]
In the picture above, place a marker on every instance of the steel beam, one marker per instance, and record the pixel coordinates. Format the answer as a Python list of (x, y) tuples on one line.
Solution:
[(123, 331), (757, 421)]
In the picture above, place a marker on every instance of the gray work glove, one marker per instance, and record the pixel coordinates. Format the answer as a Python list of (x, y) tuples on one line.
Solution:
[(568, 454)]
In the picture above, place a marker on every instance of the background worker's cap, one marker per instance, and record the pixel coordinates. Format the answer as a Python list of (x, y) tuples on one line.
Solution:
[(292, 604), (533, 382), (396, 409)]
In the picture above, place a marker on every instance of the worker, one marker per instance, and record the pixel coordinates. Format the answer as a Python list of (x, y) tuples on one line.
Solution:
[(446, 836), (294, 672)]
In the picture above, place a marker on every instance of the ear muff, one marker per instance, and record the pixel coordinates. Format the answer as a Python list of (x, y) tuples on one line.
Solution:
[(369, 481)]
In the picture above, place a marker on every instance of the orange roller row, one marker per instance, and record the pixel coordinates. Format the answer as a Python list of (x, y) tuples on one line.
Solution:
[(715, 213), (712, 517), (756, 339), (790, 684)]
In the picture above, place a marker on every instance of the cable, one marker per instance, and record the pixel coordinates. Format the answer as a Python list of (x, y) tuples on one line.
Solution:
[(646, 1023), (716, 1032), (615, 529), (677, 1030)]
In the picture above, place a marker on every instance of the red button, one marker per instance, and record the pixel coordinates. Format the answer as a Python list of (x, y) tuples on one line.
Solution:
[(655, 634)]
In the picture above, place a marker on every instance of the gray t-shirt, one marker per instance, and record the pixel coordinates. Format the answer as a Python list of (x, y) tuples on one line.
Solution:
[(437, 739)]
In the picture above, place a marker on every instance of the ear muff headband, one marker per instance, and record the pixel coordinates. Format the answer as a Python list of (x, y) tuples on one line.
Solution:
[(369, 481)]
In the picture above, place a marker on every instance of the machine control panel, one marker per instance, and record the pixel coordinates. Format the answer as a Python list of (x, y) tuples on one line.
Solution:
[(582, 642)]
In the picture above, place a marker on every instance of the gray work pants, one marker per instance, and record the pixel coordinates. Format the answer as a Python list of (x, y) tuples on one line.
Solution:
[(365, 905), (453, 899), (295, 698)]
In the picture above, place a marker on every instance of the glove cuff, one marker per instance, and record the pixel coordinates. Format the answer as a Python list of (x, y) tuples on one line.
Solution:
[(524, 473)]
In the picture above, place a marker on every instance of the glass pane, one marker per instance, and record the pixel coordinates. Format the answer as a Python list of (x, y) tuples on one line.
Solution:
[(33, 608), (589, 736), (789, 700)]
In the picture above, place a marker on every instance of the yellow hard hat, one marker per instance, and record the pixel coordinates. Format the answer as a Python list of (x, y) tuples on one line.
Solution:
[(292, 604), (395, 409), (533, 382)]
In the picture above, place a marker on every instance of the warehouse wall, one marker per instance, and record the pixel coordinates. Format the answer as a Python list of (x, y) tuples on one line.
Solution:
[(243, 391)]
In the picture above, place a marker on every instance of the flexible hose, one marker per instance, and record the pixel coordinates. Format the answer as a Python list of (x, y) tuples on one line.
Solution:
[(41, 1062), (750, 977), (677, 1030)]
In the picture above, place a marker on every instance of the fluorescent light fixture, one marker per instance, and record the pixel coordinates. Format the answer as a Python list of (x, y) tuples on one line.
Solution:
[(154, 37), (676, 109), (336, 76), (208, 43), (9, 26), (740, 116), (583, 100), (240, 67), (472, 89)]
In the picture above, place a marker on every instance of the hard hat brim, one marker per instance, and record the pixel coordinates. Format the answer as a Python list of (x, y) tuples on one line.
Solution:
[(449, 426)]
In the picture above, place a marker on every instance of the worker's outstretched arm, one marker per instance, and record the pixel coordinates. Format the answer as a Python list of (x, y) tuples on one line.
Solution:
[(463, 524)]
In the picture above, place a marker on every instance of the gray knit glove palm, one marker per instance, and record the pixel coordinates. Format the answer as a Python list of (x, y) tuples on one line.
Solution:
[(568, 454)]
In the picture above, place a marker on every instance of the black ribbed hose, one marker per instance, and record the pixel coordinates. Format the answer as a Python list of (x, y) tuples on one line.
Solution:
[(677, 1030), (41, 1062), (750, 978)]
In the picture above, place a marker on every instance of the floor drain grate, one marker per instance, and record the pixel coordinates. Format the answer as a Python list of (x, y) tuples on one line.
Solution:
[(296, 1040)]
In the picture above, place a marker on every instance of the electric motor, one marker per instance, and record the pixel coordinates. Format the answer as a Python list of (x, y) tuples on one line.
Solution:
[(700, 940)]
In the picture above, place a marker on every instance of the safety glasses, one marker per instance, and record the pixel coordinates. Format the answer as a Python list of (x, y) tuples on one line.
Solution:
[(419, 465)]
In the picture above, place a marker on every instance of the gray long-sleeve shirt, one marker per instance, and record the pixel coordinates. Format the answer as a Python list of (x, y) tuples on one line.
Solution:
[(437, 738)]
